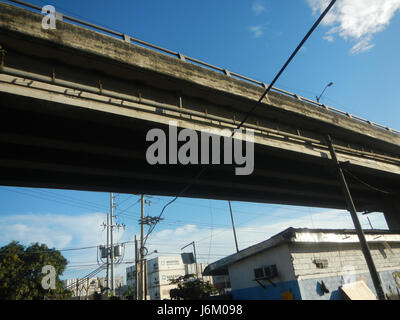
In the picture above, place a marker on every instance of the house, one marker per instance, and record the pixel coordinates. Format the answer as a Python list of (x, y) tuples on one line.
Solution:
[(311, 264)]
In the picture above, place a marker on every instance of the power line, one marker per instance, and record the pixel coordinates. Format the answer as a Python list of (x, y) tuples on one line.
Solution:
[(248, 114), (254, 107), (367, 184), (52, 250), (94, 204), (128, 198), (122, 211), (286, 207), (63, 250), (49, 199)]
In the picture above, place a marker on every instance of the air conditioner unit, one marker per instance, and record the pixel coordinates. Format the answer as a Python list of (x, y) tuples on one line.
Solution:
[(321, 263), (270, 271), (266, 272), (259, 273)]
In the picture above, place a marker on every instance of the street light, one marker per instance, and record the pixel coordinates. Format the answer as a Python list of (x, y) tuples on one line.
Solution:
[(155, 251), (330, 84)]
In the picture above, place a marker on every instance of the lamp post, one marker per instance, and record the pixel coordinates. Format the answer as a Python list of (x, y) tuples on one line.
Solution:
[(330, 84)]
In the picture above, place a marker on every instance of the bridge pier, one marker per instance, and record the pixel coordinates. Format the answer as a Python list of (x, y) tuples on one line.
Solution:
[(392, 213)]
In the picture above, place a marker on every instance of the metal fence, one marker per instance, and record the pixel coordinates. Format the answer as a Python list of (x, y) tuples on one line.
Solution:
[(129, 39)]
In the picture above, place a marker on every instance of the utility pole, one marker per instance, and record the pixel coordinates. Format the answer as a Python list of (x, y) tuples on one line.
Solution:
[(145, 279), (108, 256), (111, 240), (142, 249), (233, 227), (353, 212), (136, 269)]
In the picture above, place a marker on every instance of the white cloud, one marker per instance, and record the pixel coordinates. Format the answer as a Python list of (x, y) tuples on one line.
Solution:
[(257, 31), (328, 38), (356, 20), (169, 242), (60, 232), (63, 231), (57, 231), (304, 49), (258, 7)]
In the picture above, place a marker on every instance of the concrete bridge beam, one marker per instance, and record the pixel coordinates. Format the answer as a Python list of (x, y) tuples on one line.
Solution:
[(392, 213)]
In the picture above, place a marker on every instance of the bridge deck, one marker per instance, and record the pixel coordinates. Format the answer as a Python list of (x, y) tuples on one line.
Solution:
[(76, 105)]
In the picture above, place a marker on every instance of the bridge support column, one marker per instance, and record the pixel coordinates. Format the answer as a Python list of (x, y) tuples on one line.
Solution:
[(392, 213)]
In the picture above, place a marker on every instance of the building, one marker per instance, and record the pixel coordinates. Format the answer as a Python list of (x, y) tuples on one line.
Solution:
[(311, 264), (160, 272), (86, 287)]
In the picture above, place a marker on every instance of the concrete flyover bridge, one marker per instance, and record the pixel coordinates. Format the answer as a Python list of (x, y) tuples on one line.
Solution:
[(76, 104)]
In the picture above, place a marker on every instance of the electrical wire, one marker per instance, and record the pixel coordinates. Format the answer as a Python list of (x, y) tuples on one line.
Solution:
[(48, 199), (90, 275), (367, 184), (151, 229), (122, 211), (52, 250), (77, 200), (128, 198), (253, 108), (286, 64)]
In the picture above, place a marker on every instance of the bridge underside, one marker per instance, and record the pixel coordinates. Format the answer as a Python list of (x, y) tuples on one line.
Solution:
[(59, 146), (76, 106)]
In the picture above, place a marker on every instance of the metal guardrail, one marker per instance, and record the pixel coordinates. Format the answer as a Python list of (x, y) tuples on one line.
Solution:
[(129, 39)]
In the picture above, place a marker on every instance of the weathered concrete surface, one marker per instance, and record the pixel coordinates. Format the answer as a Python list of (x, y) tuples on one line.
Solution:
[(53, 136), (179, 75)]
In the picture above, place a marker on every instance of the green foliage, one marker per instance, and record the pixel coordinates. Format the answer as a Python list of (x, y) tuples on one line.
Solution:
[(21, 272), (191, 288), (128, 292)]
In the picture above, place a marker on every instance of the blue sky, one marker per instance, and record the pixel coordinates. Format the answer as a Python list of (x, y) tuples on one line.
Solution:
[(356, 48)]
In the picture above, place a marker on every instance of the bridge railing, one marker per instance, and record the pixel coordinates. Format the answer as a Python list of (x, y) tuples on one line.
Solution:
[(129, 39)]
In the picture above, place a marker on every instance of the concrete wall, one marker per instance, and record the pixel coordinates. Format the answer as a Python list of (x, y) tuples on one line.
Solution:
[(160, 271), (159, 283), (242, 276), (346, 263)]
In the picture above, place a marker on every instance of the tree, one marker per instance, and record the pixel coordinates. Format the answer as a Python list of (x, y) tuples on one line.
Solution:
[(191, 288), (21, 272), (129, 294)]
